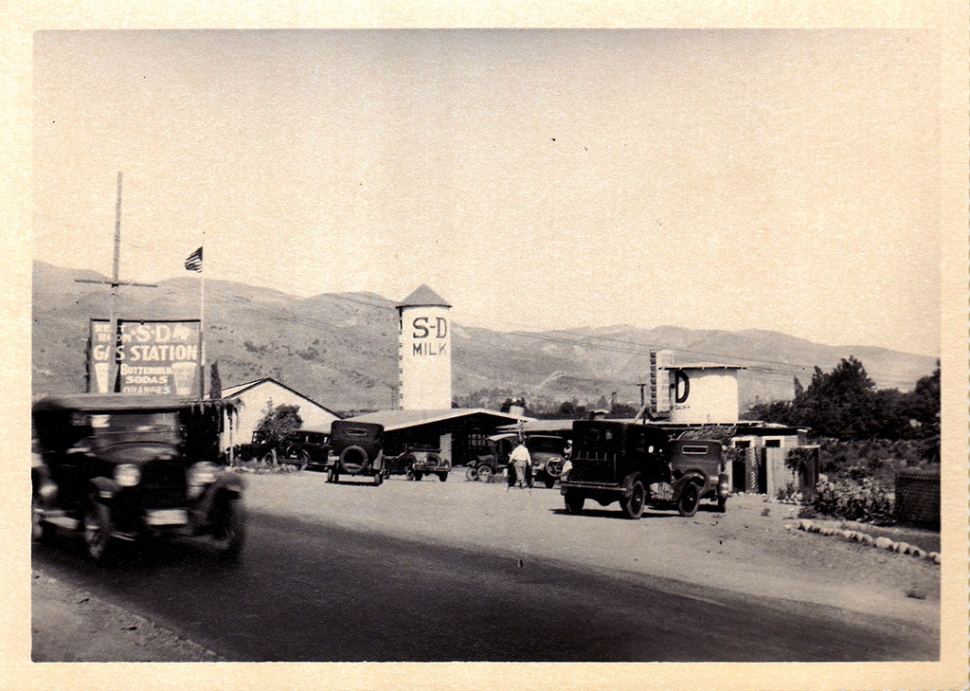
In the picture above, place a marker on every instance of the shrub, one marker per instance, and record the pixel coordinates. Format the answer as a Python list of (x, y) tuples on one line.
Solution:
[(867, 501)]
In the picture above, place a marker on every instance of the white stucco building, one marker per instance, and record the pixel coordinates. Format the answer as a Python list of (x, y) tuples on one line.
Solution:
[(253, 399)]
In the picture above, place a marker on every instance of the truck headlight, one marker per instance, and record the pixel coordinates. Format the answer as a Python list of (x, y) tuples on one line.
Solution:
[(202, 473), (127, 475)]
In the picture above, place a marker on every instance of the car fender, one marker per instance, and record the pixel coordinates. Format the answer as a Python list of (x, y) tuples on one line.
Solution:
[(227, 486), (690, 476), (628, 482)]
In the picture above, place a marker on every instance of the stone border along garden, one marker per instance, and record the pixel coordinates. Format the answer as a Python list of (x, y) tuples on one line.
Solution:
[(879, 542)]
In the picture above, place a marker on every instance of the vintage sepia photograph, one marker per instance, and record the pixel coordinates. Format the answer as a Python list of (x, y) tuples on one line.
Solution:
[(490, 345)]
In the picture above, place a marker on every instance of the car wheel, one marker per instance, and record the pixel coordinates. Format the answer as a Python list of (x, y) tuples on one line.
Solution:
[(418, 475), (267, 458), (550, 482), (633, 505), (574, 502), (443, 477), (228, 530), (721, 504), (484, 472), (40, 530), (689, 500), (304, 459), (97, 527), (471, 473)]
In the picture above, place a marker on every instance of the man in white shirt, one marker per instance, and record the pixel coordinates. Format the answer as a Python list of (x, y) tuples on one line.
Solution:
[(520, 459)]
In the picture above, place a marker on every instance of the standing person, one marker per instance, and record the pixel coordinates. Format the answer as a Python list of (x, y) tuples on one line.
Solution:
[(520, 459)]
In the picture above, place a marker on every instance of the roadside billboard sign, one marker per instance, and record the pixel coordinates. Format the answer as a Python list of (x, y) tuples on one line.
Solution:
[(154, 357)]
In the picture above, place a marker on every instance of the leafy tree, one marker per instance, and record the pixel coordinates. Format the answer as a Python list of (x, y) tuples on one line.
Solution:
[(839, 404), (277, 421)]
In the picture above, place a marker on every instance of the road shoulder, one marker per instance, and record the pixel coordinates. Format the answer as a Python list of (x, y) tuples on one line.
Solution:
[(70, 625)]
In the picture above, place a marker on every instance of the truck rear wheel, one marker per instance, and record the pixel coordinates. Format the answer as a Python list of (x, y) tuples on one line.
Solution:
[(574, 502), (633, 505)]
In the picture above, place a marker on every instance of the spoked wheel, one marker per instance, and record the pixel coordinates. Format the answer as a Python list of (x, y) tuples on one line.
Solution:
[(471, 473), (484, 472), (304, 459), (689, 500), (97, 527), (228, 530), (633, 505)]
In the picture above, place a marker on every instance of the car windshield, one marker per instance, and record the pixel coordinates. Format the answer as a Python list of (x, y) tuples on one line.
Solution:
[(546, 444), (112, 424)]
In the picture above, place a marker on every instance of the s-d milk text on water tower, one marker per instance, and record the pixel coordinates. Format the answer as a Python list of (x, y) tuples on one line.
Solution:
[(424, 351)]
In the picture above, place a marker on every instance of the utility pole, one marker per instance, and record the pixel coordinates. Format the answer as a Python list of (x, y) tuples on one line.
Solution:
[(115, 284)]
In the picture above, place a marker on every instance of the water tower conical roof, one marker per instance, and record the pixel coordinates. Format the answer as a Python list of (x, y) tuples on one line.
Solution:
[(423, 297)]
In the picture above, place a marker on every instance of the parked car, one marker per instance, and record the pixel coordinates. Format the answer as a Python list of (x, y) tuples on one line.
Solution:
[(497, 458), (548, 457), (356, 449), (640, 465), (117, 467), (418, 461), (304, 448), (547, 452)]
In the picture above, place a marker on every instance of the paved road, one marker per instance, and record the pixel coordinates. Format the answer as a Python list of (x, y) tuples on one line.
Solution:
[(312, 591)]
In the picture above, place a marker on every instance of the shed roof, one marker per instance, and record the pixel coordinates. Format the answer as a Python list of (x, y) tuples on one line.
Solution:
[(403, 419), (423, 296), (705, 365)]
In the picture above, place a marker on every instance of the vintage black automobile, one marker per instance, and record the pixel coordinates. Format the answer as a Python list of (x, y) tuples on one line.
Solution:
[(304, 448), (118, 467), (639, 465), (418, 460), (356, 449), (546, 451)]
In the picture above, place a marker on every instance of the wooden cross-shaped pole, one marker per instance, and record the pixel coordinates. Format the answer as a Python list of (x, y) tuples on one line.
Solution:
[(115, 283)]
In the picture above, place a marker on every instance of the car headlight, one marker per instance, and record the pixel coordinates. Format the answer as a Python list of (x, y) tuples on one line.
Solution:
[(127, 475), (203, 473)]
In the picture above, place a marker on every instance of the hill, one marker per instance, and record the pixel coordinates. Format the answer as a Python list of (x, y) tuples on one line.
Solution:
[(341, 349)]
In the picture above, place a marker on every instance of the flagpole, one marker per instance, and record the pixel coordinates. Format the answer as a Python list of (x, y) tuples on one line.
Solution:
[(202, 323)]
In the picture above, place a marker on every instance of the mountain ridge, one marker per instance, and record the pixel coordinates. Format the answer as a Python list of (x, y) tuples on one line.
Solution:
[(341, 348)]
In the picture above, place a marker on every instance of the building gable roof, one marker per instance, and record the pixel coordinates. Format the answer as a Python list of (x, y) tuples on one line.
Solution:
[(237, 390), (423, 297)]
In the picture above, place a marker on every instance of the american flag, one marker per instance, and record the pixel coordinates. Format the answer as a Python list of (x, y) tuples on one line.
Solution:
[(194, 261)]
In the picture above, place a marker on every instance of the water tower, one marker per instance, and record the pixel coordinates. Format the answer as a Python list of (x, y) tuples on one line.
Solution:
[(424, 351)]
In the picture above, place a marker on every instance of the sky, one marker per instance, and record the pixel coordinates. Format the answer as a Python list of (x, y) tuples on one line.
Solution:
[(536, 179)]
